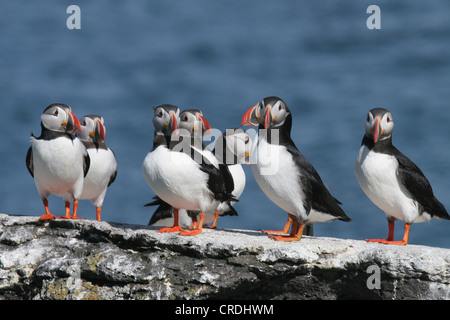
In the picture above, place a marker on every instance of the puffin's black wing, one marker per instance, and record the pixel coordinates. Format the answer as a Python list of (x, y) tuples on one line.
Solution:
[(216, 183), (418, 185), (114, 175), (112, 178), (86, 163), (164, 211), (220, 153), (29, 161), (314, 188), (230, 212), (218, 179), (227, 178), (156, 201)]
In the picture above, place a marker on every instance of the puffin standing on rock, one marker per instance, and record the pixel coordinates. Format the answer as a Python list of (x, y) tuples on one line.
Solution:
[(173, 173), (192, 127), (391, 180), (103, 167), (195, 126), (57, 160), (233, 149), (284, 174)]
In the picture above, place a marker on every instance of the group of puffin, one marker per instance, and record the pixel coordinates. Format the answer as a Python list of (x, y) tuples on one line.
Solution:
[(69, 166), (195, 185)]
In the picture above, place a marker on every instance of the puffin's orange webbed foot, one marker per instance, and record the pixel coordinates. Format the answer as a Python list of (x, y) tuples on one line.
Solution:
[(285, 229), (190, 232), (295, 235), (170, 229), (194, 232), (176, 227), (47, 215)]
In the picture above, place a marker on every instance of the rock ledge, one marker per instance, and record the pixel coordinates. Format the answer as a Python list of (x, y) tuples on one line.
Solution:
[(83, 259)]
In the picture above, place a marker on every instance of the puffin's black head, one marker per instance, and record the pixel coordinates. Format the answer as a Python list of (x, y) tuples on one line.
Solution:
[(59, 117), (379, 124), (92, 129), (166, 119), (270, 112), (192, 120)]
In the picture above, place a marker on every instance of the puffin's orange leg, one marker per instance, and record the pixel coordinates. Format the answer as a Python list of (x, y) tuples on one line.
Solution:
[(390, 234), (194, 231), (194, 223), (295, 235), (216, 217), (67, 206), (285, 229), (176, 226), (47, 215), (405, 237), (75, 209), (98, 212)]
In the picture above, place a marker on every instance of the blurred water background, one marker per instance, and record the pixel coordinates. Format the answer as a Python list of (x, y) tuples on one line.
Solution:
[(223, 57)]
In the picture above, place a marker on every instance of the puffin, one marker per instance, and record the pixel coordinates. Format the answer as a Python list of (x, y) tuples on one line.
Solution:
[(103, 165), (232, 149), (393, 182), (57, 160), (179, 175), (194, 126), (191, 130), (284, 174)]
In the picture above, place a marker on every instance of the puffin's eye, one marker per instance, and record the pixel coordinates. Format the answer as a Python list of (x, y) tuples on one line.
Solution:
[(160, 114), (247, 140), (84, 123), (55, 113), (185, 118), (279, 108), (388, 119)]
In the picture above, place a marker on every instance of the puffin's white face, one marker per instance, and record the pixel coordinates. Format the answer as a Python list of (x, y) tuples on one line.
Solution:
[(166, 119), (275, 114), (59, 117), (271, 112), (194, 123), (92, 129), (379, 124), (239, 143)]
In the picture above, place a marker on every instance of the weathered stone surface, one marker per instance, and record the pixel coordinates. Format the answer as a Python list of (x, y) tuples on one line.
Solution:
[(81, 259)]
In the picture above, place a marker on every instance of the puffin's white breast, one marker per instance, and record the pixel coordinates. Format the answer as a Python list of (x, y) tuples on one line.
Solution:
[(377, 176), (279, 178), (58, 166), (178, 180), (239, 179), (103, 165)]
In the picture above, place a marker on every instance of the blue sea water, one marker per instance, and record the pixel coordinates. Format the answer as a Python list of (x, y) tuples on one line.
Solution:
[(223, 57)]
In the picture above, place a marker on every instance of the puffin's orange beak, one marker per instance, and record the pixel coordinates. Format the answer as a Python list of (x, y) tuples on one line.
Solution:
[(250, 118), (99, 131), (376, 131), (73, 124), (206, 126), (173, 122)]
